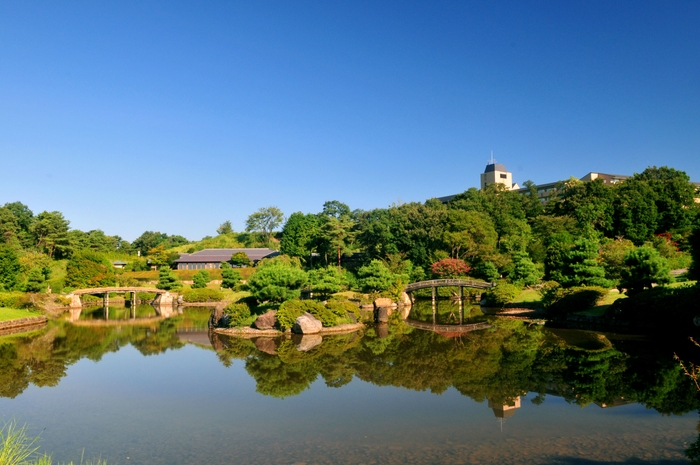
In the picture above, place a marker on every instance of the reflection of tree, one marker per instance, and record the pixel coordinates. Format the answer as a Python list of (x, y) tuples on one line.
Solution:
[(499, 364), (42, 357)]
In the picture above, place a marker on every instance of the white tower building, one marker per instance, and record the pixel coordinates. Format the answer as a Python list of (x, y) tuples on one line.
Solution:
[(497, 173)]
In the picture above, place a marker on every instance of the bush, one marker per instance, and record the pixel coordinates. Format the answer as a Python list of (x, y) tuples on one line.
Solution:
[(326, 281), (450, 268), (375, 277), (486, 271), (502, 294), (202, 295), (88, 269), (167, 280), (577, 299), (200, 279), (643, 267), (230, 278), (11, 299), (293, 309), (343, 308), (237, 314), (277, 281)]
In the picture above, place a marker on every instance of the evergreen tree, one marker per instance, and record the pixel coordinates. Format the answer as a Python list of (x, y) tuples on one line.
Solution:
[(167, 279), (524, 272), (643, 267), (9, 268), (200, 279), (229, 277)]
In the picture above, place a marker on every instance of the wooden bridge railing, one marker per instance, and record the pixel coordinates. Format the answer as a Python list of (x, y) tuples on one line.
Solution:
[(448, 282)]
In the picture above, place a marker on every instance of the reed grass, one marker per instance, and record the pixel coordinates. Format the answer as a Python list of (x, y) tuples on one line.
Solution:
[(18, 448)]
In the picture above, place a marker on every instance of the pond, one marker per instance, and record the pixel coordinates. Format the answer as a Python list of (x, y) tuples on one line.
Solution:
[(156, 390)]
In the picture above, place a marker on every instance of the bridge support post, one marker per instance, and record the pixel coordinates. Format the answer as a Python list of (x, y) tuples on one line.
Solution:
[(105, 299), (461, 294), (434, 312), (461, 308), (434, 289)]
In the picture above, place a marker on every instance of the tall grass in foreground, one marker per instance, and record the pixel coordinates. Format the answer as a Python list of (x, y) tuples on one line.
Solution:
[(17, 448)]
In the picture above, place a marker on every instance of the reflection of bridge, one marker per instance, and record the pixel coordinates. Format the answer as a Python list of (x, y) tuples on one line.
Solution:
[(162, 297), (435, 283), (447, 330), (162, 312)]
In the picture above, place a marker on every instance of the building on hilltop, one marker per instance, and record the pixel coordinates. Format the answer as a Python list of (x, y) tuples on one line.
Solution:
[(496, 173), (208, 259)]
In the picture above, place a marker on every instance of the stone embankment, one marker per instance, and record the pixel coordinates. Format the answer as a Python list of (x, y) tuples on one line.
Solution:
[(22, 325)]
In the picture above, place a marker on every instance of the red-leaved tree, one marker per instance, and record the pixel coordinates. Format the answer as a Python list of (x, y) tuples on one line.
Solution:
[(450, 268)]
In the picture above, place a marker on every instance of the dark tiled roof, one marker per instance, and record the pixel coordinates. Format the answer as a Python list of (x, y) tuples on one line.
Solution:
[(224, 255), (495, 167)]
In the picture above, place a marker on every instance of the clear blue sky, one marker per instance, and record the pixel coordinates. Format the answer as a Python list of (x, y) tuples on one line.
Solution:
[(176, 116)]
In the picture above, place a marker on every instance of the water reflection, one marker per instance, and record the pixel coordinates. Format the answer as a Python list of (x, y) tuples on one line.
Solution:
[(499, 364)]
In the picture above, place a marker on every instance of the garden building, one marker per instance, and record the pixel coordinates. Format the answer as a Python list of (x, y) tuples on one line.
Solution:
[(208, 259)]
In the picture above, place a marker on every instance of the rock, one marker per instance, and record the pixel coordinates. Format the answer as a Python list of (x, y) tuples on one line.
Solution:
[(381, 315), (307, 342), (307, 324), (267, 345), (215, 318), (406, 300), (383, 302), (266, 321)]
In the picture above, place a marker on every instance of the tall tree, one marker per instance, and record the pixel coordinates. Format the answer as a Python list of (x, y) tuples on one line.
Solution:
[(50, 231), (225, 228), (300, 235), (265, 221), (636, 215), (674, 197), (9, 268)]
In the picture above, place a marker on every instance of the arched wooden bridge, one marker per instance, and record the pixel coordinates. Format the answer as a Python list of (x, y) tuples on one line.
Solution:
[(435, 283), (448, 283)]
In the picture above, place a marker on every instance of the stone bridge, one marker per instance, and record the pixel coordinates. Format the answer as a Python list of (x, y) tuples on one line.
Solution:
[(162, 297)]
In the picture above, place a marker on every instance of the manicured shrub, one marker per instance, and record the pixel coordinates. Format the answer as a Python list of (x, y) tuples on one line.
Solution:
[(326, 281), (375, 277), (230, 278), (237, 314), (200, 279), (343, 309), (576, 299), (643, 267), (277, 281), (502, 294), (167, 280), (202, 295), (293, 309)]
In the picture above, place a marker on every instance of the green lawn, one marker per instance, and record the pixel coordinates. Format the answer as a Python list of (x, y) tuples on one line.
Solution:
[(7, 314), (528, 296)]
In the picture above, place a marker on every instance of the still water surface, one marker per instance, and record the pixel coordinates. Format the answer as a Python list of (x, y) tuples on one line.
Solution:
[(167, 392)]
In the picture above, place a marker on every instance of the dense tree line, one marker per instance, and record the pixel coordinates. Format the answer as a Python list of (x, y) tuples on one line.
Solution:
[(628, 234)]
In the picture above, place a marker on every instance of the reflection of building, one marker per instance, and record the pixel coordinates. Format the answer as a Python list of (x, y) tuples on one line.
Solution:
[(505, 410)]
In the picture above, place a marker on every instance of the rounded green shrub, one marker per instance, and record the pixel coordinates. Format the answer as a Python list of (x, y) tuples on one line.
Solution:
[(293, 309), (237, 314), (343, 308), (576, 299), (502, 294), (202, 295)]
